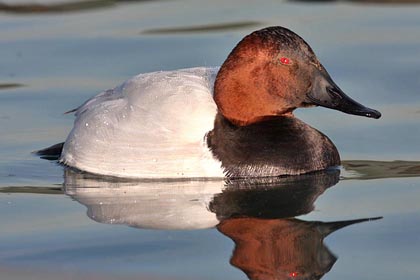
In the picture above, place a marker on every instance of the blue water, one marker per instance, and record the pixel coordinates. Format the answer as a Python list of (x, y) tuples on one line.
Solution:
[(60, 225)]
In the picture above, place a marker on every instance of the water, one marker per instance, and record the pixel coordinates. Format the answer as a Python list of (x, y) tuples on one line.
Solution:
[(61, 224)]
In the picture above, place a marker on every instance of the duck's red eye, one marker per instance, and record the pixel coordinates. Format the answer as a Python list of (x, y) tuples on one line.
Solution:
[(284, 60), (293, 274)]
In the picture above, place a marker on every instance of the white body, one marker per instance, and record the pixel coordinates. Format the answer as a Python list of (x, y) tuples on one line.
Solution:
[(151, 126)]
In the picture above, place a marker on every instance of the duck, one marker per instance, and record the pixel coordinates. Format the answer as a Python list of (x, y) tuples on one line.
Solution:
[(232, 121)]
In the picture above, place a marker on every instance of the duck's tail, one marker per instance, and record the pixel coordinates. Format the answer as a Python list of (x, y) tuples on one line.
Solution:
[(51, 153)]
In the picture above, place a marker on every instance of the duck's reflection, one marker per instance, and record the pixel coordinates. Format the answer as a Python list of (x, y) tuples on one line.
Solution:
[(267, 249), (147, 204), (272, 197), (194, 204), (256, 214)]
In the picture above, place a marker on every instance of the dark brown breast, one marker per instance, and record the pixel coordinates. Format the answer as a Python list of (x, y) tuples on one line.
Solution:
[(274, 147)]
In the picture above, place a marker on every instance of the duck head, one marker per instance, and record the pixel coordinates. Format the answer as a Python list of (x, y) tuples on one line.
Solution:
[(270, 73)]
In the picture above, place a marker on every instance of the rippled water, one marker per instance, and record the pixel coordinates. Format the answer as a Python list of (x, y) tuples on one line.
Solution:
[(58, 223)]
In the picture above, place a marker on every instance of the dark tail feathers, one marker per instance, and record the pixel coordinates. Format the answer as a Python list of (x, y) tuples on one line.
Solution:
[(51, 153)]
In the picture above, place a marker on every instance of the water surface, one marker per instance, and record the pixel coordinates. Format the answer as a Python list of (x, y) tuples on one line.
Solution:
[(58, 223)]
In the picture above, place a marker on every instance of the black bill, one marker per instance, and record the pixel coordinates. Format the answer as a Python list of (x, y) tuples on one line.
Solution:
[(327, 94)]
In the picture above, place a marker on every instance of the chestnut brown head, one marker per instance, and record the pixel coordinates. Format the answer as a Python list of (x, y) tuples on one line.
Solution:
[(270, 73)]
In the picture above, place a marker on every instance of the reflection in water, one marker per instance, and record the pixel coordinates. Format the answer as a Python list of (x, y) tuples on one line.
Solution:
[(10, 85), (272, 197), (204, 28), (144, 204), (256, 214), (369, 169), (73, 6), (32, 190), (281, 248), (194, 204)]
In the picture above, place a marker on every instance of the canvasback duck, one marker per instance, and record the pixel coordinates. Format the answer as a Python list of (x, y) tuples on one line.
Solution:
[(236, 121)]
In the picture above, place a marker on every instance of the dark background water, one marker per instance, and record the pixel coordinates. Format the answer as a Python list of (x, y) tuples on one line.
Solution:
[(55, 56)]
